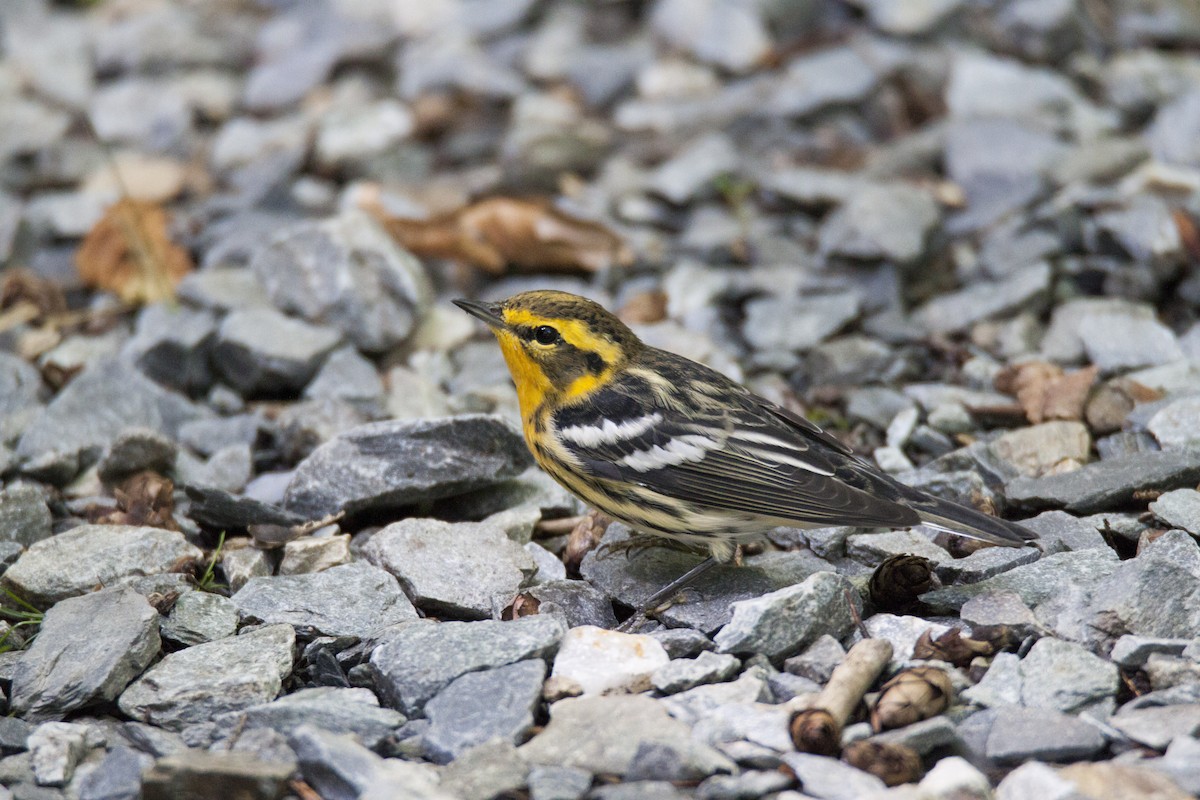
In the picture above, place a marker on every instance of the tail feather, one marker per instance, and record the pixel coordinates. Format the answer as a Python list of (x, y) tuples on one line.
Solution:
[(958, 519)]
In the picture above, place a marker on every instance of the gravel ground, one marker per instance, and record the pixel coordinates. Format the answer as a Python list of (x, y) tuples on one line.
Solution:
[(281, 537)]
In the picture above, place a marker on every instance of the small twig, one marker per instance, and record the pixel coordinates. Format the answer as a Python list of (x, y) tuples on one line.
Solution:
[(818, 720)]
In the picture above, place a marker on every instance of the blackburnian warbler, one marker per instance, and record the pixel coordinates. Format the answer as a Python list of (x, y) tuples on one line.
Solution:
[(673, 448)]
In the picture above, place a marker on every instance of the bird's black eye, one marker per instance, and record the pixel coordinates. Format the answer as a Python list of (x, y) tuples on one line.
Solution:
[(544, 334)]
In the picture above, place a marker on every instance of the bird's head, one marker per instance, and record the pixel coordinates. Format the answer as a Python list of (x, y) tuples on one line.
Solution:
[(555, 343)]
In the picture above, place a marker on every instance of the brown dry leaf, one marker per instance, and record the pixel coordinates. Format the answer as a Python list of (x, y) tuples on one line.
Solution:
[(1188, 234), (583, 539), (129, 253), (146, 498), (893, 763), (22, 287), (506, 231), (644, 308), (1045, 392), (913, 695), (523, 605), (951, 647), (1112, 402)]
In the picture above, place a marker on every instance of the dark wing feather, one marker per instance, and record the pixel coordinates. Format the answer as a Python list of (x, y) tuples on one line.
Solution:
[(756, 464)]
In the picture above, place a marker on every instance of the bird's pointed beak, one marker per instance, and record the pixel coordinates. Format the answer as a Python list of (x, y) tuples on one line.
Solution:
[(488, 312)]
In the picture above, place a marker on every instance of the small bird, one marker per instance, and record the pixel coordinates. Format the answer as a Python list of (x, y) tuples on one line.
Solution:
[(678, 450)]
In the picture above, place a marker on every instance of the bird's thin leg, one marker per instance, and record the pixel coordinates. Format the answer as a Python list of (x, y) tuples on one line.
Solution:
[(670, 590)]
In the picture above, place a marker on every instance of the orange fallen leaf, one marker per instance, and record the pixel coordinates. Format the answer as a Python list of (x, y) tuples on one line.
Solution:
[(129, 252), (1189, 236), (1045, 392), (504, 231)]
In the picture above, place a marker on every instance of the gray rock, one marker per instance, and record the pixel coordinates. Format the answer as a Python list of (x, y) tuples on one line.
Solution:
[(195, 685), (1022, 734), (638, 790), (24, 516), (88, 649), (14, 734), (729, 35), (136, 450), (830, 779), (385, 465), (1173, 425), (632, 579), (1132, 651), (777, 326), (925, 736), (1155, 594), (198, 772), (874, 548), (351, 600), (1027, 289), (148, 112), (1066, 677), (348, 274), (335, 765), (20, 384), (558, 783), (1172, 135), (76, 561), (259, 351), (105, 399), (464, 569), (420, 659), (349, 377), (748, 785), (876, 404), (684, 673), (1106, 485), (881, 222), (1116, 342), (694, 168), (460, 721), (353, 134), (55, 748), (783, 622), (578, 602), (493, 769), (1179, 763), (315, 554), (550, 568), (1063, 341), (682, 642), (1001, 684), (1058, 531), (199, 617), (985, 563), (339, 768), (228, 288), (240, 564), (229, 469), (172, 345), (117, 777), (910, 19), (333, 709), (306, 425), (818, 660), (1157, 727), (1000, 608), (831, 77), (210, 436), (1036, 583), (604, 734), (1179, 509)]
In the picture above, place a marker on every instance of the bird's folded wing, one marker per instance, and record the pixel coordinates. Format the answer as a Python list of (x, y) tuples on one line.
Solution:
[(739, 460)]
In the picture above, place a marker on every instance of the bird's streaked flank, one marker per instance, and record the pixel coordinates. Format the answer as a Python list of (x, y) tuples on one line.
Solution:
[(673, 448)]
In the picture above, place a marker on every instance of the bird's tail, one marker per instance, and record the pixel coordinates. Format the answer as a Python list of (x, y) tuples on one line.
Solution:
[(962, 521)]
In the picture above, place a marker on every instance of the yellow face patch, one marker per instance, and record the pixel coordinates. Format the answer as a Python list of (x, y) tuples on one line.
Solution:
[(573, 331), (532, 383)]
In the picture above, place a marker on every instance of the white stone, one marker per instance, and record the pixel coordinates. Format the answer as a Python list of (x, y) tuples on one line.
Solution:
[(954, 778), (600, 661), (54, 749)]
